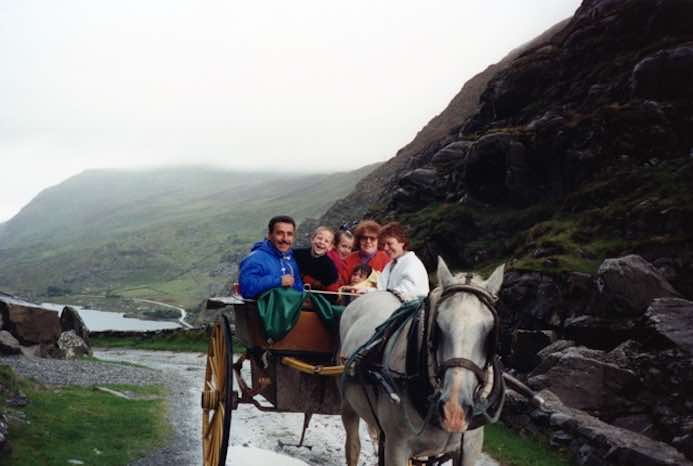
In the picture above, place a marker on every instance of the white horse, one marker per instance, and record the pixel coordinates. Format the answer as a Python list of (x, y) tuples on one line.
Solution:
[(463, 322)]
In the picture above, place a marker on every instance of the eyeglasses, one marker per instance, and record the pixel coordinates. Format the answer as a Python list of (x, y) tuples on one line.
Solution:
[(369, 238)]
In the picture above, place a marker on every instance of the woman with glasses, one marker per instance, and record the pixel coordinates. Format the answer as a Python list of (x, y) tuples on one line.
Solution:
[(367, 252)]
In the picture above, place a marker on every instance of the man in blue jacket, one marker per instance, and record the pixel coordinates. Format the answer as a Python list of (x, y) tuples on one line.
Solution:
[(270, 263)]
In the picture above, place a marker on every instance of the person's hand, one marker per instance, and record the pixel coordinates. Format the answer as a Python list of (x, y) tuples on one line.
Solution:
[(287, 280)]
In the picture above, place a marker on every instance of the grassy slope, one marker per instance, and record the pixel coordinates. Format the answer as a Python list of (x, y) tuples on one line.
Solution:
[(621, 211), (511, 449), (154, 234), (83, 424)]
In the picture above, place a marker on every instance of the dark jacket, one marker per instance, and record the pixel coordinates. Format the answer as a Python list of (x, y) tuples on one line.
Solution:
[(262, 270), (319, 268)]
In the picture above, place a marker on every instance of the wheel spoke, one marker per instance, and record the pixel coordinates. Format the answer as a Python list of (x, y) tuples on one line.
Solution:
[(211, 423)]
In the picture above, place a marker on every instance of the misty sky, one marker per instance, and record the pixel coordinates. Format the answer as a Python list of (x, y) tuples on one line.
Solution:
[(301, 85)]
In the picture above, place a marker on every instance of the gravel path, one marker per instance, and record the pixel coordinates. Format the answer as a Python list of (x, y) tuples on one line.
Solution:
[(81, 372)]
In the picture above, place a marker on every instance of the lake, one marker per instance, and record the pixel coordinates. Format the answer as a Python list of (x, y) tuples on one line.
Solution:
[(98, 321)]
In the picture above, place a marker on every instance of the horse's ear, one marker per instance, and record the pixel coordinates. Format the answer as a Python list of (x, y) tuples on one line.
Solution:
[(495, 281), (444, 275)]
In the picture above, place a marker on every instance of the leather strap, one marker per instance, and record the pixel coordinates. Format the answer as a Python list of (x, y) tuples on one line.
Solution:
[(463, 363)]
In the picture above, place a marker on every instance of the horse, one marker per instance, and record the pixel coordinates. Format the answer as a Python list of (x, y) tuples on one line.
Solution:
[(460, 330)]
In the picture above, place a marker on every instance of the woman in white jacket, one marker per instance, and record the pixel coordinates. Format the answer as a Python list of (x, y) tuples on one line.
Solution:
[(405, 274)]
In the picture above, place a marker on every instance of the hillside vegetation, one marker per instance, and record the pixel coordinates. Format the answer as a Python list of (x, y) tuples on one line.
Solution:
[(170, 234)]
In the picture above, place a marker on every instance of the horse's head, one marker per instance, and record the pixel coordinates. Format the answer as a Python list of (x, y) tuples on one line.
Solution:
[(463, 333)]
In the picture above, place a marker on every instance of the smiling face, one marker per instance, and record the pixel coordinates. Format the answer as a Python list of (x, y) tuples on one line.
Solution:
[(393, 247), (282, 236), (344, 246), (321, 242), (369, 243)]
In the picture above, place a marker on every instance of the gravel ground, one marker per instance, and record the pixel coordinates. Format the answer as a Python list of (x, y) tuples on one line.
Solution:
[(81, 372)]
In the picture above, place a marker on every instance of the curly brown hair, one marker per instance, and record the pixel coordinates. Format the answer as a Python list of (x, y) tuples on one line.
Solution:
[(394, 230), (364, 227)]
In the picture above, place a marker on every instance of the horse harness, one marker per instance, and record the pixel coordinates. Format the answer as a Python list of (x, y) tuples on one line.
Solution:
[(424, 374)]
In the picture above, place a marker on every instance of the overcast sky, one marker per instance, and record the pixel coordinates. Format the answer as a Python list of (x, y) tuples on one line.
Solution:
[(305, 85)]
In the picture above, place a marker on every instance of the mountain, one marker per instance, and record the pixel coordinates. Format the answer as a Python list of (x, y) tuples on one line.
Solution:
[(170, 233), (578, 150), (372, 189)]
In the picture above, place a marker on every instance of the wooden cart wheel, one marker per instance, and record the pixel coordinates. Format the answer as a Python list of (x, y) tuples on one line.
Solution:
[(217, 395)]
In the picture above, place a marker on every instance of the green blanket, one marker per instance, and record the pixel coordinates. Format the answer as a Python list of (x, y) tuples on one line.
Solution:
[(279, 309)]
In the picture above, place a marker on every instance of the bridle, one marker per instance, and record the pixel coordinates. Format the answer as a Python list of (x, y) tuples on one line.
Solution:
[(489, 396)]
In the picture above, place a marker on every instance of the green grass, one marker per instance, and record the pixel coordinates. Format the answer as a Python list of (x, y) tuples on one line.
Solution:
[(188, 341), (512, 449), (91, 426), (193, 341)]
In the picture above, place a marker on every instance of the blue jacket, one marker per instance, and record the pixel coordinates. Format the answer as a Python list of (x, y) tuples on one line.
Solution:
[(262, 270)]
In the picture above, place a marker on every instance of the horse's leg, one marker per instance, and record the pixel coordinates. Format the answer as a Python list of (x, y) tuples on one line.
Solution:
[(352, 445), (396, 454), (471, 447)]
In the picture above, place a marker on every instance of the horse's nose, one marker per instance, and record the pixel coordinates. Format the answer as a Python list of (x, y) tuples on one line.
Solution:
[(454, 415)]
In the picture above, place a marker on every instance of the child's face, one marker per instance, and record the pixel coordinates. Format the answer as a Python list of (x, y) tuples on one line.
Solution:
[(357, 277), (344, 247), (321, 242)]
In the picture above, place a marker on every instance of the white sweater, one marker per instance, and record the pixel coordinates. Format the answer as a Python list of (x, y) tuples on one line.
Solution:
[(406, 275)]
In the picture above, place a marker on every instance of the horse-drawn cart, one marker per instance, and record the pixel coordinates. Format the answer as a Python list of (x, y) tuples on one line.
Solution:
[(294, 374)]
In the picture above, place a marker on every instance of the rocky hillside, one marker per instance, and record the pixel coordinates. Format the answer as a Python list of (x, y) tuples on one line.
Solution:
[(371, 189), (575, 168), (173, 234), (579, 150)]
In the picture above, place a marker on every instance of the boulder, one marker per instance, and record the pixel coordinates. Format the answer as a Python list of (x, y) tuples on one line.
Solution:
[(585, 379), (72, 346), (672, 318), (8, 343), (419, 186), (30, 324), (554, 347), (665, 75), (496, 167), (531, 300), (601, 332), (628, 285), (526, 345), (451, 155), (71, 320), (594, 442)]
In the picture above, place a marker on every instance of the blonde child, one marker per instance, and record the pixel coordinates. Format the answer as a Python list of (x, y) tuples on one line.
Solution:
[(316, 268)]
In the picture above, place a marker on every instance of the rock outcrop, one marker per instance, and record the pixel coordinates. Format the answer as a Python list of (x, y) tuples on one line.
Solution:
[(595, 442), (30, 324), (8, 343), (72, 346), (28, 329), (375, 189), (616, 345), (71, 320)]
